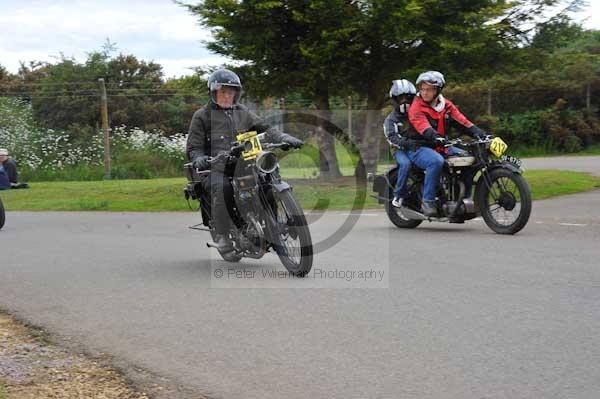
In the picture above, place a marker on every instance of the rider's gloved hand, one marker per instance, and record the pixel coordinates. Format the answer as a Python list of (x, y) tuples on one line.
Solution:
[(292, 141), (397, 141), (440, 141), (477, 132), (201, 163), (221, 158)]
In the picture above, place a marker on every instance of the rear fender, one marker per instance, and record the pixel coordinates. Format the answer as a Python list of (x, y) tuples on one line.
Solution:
[(382, 184)]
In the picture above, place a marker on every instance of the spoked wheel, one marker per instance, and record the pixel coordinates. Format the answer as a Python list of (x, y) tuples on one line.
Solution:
[(413, 201), (289, 234), (506, 203), (2, 215), (231, 256)]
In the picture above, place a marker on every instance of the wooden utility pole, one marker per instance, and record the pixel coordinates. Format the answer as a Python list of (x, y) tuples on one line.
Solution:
[(282, 111), (104, 117), (588, 97), (350, 117)]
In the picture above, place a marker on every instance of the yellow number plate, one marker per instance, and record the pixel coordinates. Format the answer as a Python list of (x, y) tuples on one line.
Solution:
[(498, 147), (250, 137)]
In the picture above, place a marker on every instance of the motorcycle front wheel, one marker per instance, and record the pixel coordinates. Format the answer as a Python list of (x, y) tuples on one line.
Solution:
[(289, 234), (505, 201)]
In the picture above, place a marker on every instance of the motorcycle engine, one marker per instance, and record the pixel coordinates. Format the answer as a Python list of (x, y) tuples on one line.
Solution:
[(252, 239)]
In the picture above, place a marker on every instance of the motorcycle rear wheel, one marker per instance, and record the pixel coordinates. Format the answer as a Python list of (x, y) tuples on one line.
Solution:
[(506, 204), (412, 202), (289, 234)]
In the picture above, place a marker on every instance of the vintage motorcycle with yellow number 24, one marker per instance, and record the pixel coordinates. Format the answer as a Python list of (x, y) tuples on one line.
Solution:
[(502, 197), (264, 212)]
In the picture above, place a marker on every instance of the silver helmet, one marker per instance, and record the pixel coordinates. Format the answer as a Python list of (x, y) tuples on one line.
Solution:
[(434, 78), (402, 94)]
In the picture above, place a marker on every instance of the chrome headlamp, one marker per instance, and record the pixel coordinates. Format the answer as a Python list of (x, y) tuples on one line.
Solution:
[(266, 162)]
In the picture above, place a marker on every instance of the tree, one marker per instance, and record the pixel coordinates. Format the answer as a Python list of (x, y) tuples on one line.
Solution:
[(285, 46), (333, 47)]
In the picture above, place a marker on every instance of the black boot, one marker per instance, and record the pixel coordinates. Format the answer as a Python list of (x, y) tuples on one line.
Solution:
[(224, 243)]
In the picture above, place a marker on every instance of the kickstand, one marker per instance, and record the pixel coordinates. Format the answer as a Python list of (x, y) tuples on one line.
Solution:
[(195, 227)]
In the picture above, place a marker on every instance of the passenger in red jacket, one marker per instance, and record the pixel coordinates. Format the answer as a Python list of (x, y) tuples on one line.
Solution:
[(430, 116)]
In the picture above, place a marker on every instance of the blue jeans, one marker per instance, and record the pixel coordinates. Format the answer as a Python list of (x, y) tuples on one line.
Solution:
[(432, 163), (403, 170)]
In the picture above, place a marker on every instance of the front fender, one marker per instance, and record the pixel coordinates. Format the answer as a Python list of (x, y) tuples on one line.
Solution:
[(281, 186), (505, 165)]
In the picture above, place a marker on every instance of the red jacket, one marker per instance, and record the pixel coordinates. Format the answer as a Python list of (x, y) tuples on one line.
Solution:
[(426, 122)]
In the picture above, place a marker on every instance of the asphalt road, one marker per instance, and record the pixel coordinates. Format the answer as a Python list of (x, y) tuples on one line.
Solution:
[(442, 311)]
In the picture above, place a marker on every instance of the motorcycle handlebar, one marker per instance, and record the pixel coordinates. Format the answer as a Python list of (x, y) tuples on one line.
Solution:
[(237, 149)]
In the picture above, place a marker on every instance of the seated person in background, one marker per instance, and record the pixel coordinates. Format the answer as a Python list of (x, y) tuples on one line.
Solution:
[(10, 169), (4, 182)]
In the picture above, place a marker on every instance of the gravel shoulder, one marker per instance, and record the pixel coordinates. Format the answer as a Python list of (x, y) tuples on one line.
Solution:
[(33, 367)]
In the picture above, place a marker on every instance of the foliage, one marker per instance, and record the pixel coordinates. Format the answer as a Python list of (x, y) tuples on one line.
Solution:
[(557, 128), (66, 95), (48, 154)]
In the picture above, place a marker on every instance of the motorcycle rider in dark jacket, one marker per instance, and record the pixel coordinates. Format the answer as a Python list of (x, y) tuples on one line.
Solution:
[(212, 131), (395, 128)]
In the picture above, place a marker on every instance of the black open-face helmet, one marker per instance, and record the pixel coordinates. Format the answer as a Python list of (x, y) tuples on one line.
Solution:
[(224, 77), (402, 94)]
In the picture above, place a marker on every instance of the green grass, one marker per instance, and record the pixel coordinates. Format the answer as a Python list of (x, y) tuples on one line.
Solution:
[(552, 183), (167, 194), (534, 152), (2, 391)]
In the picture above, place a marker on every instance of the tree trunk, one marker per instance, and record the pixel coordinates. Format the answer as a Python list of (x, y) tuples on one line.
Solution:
[(368, 139), (329, 167)]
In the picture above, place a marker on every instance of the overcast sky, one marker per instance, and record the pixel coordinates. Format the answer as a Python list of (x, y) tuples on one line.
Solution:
[(156, 30)]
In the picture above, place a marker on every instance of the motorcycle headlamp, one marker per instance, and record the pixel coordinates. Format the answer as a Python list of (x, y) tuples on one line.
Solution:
[(498, 146), (266, 162)]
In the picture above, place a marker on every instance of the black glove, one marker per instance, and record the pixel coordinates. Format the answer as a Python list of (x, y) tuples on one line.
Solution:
[(396, 141), (201, 163), (477, 132), (292, 141), (221, 158), (439, 141)]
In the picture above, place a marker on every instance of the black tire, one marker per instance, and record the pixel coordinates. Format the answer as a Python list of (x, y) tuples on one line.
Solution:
[(298, 259), (412, 202), (232, 257), (507, 192), (2, 214)]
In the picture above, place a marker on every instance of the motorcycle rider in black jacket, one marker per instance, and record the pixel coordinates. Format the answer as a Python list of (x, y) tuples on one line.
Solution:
[(213, 129)]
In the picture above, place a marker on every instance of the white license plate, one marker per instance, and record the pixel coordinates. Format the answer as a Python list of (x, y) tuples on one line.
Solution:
[(513, 160)]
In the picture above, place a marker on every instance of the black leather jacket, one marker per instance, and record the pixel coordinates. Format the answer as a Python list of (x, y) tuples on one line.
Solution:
[(213, 129), (395, 127)]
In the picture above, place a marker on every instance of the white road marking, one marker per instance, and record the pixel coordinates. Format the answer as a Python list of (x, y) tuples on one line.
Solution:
[(573, 224), (360, 214)]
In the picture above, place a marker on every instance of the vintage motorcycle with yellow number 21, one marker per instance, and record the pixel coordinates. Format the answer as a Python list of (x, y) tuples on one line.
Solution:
[(264, 212), (502, 197)]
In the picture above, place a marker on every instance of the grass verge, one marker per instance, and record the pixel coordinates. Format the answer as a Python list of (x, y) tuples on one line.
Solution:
[(167, 195)]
